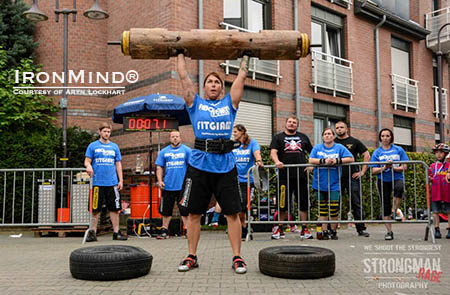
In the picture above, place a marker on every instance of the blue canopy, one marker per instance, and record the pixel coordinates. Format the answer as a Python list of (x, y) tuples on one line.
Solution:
[(167, 104)]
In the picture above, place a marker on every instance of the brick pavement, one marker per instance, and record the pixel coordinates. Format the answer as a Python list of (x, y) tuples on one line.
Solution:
[(41, 266)]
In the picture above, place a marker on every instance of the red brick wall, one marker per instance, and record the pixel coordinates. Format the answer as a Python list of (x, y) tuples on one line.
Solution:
[(88, 51)]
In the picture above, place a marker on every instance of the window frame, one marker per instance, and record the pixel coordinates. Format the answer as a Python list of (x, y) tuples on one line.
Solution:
[(243, 23), (328, 118), (324, 35), (396, 43)]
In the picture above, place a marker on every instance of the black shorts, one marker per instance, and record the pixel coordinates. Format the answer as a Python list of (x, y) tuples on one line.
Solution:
[(296, 186), (108, 196), (243, 186), (199, 186), (168, 200), (385, 192)]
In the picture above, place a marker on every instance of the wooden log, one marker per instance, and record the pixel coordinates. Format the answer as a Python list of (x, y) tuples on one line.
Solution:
[(214, 44)]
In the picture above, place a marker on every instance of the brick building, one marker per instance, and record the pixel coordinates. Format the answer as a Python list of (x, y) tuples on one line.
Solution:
[(336, 82)]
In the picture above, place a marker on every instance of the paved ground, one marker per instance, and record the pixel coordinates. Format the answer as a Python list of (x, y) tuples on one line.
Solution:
[(31, 265)]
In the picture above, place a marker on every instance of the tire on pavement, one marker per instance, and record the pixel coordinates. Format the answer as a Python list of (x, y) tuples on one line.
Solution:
[(108, 263), (297, 262)]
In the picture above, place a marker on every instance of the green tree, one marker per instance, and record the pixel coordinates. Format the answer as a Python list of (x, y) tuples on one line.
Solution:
[(19, 111), (16, 32)]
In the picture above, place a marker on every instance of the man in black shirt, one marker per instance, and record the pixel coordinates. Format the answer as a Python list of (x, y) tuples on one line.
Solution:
[(290, 147), (351, 175)]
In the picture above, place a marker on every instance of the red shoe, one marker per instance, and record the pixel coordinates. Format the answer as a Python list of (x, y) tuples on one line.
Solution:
[(239, 265), (188, 263)]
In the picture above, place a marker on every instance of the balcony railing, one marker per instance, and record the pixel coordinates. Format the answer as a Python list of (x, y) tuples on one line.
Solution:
[(405, 93), (433, 22), (265, 68), (332, 73), (343, 2), (436, 101)]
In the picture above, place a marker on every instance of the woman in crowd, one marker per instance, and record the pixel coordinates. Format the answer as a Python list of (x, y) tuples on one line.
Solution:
[(246, 156), (390, 176), (326, 179)]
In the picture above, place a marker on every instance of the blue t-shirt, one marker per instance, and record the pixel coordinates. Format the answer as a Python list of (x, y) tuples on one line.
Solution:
[(104, 157), (245, 158), (395, 153), (174, 161), (337, 151), (212, 119)]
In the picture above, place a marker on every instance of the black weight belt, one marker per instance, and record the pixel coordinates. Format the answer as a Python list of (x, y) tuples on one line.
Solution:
[(216, 146)]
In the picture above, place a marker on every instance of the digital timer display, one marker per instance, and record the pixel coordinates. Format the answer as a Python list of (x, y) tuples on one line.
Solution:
[(149, 123)]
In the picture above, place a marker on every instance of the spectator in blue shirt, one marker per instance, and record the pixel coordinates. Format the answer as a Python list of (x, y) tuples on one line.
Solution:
[(390, 176), (172, 163), (246, 156), (326, 178), (103, 164)]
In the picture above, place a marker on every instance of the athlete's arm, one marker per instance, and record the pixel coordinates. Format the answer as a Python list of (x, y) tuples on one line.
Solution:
[(237, 88), (258, 158), (274, 155), (119, 174), (159, 176), (88, 165), (188, 86)]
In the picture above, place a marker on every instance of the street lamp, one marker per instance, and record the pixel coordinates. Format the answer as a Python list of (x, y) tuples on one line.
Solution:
[(35, 14), (440, 82)]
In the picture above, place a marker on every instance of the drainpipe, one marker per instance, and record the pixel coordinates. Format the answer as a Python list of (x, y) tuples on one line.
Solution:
[(297, 82), (200, 62), (377, 59)]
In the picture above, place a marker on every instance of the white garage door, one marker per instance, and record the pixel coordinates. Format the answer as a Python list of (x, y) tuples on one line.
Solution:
[(257, 118)]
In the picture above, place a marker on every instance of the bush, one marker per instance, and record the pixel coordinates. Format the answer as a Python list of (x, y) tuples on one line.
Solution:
[(35, 149)]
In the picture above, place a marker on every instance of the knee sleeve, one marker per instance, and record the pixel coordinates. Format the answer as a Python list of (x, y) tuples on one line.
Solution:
[(323, 208), (334, 209)]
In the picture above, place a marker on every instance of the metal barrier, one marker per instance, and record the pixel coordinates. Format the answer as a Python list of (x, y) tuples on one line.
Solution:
[(264, 205), (44, 196)]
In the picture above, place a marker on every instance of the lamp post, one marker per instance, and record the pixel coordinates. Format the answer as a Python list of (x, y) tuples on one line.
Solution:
[(440, 82), (35, 14)]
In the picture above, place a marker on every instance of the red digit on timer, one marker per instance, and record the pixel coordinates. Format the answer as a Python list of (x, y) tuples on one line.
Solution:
[(140, 124), (156, 123), (148, 124), (132, 123)]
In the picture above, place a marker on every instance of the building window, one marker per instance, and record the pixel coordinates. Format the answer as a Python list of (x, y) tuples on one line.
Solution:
[(400, 57), (331, 73), (253, 15), (405, 91), (255, 113), (437, 134), (326, 115), (403, 133), (397, 7), (327, 30), (434, 5)]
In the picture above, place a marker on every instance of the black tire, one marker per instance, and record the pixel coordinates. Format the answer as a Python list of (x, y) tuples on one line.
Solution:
[(297, 262), (108, 263)]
